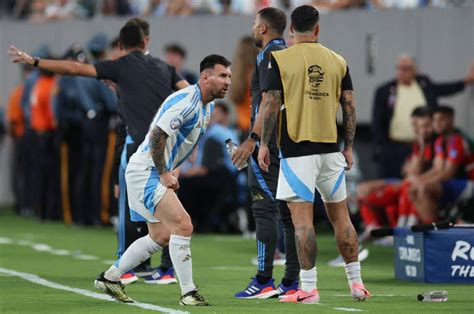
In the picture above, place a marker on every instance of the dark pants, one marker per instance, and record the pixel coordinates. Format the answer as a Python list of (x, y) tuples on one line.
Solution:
[(268, 213), (267, 216), (94, 148), (18, 179), (72, 136), (392, 157), (46, 189), (210, 199), (29, 151)]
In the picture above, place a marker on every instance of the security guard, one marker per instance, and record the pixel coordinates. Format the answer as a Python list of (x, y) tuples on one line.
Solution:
[(98, 102), (29, 138), (68, 113)]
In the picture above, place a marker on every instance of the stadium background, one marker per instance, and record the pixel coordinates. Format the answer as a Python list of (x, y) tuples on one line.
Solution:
[(441, 40)]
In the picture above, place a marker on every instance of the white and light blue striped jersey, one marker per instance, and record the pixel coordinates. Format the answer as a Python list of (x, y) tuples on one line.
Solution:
[(184, 118)]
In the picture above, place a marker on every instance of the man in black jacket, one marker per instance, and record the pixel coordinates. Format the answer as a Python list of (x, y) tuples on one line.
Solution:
[(393, 103)]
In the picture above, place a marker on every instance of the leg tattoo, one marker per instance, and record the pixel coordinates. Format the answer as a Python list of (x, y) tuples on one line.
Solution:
[(306, 246), (347, 244)]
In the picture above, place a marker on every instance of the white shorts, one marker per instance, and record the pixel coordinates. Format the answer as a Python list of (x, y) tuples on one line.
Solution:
[(300, 176), (144, 192)]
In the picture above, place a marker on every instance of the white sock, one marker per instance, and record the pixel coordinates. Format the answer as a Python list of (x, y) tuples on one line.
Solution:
[(411, 220), (353, 273), (180, 253), (138, 252), (309, 279), (402, 221)]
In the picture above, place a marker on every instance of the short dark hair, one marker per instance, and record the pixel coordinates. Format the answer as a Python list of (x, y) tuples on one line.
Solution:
[(422, 112), (144, 25), (444, 109), (223, 106), (131, 35), (304, 18), (175, 48), (211, 61), (275, 18), (114, 43)]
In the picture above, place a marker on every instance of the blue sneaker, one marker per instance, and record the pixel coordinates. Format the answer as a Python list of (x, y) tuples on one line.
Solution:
[(160, 277), (257, 291), (286, 291)]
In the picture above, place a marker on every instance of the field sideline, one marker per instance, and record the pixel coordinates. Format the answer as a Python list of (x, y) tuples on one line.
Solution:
[(70, 258)]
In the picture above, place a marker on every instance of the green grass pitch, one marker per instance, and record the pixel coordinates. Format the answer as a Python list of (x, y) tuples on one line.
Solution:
[(221, 268)]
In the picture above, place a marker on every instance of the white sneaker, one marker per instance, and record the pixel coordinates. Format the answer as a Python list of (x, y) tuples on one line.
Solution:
[(385, 241), (339, 261)]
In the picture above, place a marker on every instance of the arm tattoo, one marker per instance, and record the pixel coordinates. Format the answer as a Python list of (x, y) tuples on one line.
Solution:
[(157, 148), (271, 108), (348, 117)]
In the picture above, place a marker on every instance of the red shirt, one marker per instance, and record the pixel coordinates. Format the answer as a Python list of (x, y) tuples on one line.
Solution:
[(428, 153), (455, 149)]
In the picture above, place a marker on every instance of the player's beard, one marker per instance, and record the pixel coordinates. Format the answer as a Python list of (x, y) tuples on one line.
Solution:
[(257, 41), (220, 93)]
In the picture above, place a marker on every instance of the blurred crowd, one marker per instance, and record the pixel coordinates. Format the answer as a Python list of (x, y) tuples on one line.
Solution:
[(51, 10)]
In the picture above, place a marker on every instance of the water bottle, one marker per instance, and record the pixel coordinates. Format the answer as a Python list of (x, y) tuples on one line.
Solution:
[(231, 148), (434, 296)]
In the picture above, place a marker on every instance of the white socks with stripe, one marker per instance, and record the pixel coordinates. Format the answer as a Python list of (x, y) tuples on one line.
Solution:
[(353, 273), (138, 252), (180, 253), (308, 279)]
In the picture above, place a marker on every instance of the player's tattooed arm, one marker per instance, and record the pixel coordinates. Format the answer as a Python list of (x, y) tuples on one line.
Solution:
[(157, 148), (348, 117), (270, 114)]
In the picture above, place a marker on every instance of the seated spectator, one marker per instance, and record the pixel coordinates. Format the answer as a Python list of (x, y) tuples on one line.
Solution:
[(115, 7), (398, 4), (140, 7), (242, 7), (450, 3), (178, 8), (87, 8), (208, 181), (176, 56), (38, 11), (449, 181), (206, 7), (336, 5), (393, 103), (61, 10), (382, 201)]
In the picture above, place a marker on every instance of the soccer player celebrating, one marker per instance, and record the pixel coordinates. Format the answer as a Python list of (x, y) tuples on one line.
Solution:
[(267, 32), (306, 84)]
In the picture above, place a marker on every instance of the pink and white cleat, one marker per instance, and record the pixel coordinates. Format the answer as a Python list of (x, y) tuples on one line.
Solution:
[(359, 292), (302, 297)]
